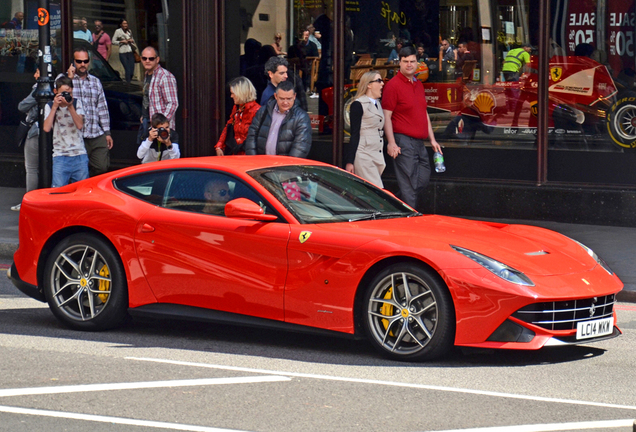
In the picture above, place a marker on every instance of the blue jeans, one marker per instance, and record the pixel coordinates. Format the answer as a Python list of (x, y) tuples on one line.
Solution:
[(69, 169), (128, 62)]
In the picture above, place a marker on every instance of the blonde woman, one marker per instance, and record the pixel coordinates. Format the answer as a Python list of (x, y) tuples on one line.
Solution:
[(277, 46), (363, 155), (232, 138)]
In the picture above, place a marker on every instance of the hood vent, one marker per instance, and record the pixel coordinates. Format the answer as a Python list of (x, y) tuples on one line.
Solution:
[(541, 252)]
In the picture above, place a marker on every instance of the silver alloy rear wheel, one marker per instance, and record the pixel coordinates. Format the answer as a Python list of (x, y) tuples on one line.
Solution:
[(85, 284), (409, 314)]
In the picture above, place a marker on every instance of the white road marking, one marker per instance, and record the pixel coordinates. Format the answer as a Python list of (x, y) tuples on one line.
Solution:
[(112, 420), (391, 383), (603, 424), (139, 385)]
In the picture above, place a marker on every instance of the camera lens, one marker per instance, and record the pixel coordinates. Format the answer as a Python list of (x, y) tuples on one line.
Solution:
[(163, 133), (67, 96)]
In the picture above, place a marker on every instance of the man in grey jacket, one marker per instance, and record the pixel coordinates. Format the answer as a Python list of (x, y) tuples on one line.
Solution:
[(281, 127), (29, 106)]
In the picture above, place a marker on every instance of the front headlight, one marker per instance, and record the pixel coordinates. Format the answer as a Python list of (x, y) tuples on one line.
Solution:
[(500, 269), (598, 259)]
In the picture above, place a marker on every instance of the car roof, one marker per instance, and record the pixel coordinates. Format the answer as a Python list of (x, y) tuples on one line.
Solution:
[(225, 163)]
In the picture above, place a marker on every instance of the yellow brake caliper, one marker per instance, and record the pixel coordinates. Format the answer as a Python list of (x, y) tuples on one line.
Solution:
[(387, 308), (104, 285)]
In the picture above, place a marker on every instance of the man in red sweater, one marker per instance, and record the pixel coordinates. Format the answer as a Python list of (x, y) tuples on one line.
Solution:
[(406, 126)]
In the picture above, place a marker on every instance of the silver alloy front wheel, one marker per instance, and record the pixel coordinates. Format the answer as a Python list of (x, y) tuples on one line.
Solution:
[(409, 314), (84, 285)]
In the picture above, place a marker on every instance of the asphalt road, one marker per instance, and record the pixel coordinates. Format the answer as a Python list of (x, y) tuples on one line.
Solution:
[(166, 375)]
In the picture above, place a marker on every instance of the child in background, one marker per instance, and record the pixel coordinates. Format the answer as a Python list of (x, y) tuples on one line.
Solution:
[(66, 117), (160, 143)]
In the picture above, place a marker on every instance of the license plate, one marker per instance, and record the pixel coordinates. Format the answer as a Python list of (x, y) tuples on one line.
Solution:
[(596, 328)]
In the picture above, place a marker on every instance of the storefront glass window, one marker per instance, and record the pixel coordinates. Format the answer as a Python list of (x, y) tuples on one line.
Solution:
[(259, 30), (147, 22), (480, 116), (592, 75)]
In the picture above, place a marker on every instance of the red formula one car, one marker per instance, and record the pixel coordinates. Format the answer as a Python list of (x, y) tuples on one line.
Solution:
[(297, 244), (584, 100)]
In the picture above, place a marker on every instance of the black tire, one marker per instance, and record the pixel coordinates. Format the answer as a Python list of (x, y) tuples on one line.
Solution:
[(621, 121), (85, 284), (413, 324)]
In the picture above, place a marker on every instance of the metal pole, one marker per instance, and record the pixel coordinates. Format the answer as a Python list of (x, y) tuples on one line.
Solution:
[(44, 92), (544, 75)]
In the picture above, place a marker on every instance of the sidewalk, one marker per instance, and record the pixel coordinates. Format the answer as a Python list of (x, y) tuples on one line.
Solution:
[(616, 245)]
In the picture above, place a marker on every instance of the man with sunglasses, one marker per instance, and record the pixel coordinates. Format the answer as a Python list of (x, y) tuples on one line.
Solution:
[(160, 91), (96, 132), (406, 126)]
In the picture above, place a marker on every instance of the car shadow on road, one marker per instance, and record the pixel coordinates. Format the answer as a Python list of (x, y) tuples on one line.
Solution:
[(275, 344)]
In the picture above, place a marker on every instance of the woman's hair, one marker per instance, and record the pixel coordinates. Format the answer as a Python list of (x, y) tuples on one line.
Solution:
[(243, 89), (121, 21), (363, 85)]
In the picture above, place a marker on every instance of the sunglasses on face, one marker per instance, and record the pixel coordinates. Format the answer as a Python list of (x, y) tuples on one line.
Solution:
[(223, 192), (148, 58), (379, 80), (82, 61)]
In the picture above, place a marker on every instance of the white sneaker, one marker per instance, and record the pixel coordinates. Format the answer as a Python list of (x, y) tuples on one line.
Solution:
[(16, 207), (314, 95)]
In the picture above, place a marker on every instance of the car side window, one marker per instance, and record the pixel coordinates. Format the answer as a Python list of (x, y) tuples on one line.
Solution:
[(149, 187), (206, 192)]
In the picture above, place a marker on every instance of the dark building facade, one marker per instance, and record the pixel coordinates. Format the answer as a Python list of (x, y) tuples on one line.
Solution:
[(554, 139)]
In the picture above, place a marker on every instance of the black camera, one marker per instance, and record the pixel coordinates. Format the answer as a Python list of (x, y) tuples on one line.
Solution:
[(163, 133), (67, 96)]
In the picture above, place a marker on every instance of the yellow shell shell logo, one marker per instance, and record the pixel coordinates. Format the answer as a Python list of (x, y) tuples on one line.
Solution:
[(484, 102), (534, 108), (556, 73), (304, 236)]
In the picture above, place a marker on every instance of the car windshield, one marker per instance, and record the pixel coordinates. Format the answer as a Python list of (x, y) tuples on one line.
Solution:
[(317, 194)]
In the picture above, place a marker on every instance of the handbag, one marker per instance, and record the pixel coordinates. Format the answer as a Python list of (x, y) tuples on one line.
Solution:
[(137, 57), (23, 129), (231, 146)]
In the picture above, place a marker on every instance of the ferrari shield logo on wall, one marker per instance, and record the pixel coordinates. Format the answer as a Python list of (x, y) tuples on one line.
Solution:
[(556, 73), (304, 236), (449, 93)]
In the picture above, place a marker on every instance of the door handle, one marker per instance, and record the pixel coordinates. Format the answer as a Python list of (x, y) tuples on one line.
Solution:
[(146, 228)]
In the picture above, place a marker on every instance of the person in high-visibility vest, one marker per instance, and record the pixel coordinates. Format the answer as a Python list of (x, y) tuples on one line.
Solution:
[(514, 61)]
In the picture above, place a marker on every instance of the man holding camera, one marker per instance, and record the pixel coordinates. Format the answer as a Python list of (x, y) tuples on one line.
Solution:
[(161, 143), (96, 132), (65, 117), (159, 93)]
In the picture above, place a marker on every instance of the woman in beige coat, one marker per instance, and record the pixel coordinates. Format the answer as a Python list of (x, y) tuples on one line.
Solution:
[(363, 155)]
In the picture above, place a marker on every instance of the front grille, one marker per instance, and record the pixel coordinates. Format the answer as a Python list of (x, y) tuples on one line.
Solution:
[(564, 315)]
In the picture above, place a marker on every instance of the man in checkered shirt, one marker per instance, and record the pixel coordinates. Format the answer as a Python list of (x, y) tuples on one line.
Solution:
[(96, 132), (160, 92)]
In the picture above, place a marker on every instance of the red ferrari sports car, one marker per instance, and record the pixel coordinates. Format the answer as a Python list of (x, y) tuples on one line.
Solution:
[(293, 243)]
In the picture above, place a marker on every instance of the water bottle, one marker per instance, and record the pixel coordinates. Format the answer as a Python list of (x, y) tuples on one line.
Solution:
[(438, 158)]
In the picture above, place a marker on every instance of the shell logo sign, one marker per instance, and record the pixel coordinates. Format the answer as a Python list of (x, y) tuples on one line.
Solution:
[(484, 103), (534, 108), (556, 73)]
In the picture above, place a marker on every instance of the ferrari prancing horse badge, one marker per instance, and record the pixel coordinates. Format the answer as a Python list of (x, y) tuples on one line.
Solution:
[(304, 236)]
